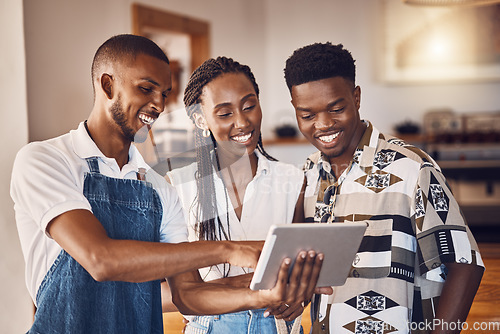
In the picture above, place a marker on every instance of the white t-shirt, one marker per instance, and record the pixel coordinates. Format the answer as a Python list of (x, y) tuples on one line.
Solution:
[(47, 180), (270, 198)]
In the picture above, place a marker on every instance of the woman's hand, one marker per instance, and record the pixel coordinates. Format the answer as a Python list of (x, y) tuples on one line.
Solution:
[(294, 289), (287, 312)]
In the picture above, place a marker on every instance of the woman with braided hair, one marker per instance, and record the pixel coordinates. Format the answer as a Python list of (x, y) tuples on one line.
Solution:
[(234, 190)]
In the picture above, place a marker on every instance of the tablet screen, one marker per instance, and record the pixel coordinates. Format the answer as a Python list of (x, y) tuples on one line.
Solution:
[(339, 242)]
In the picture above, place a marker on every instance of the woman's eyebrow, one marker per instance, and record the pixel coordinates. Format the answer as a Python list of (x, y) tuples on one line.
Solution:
[(224, 104)]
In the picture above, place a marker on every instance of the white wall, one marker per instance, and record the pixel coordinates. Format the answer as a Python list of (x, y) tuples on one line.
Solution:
[(16, 309)]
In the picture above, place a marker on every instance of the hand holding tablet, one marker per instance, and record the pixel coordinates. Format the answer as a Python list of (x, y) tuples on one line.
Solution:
[(296, 284)]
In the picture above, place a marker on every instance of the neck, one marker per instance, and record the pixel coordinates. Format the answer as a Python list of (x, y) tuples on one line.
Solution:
[(227, 158), (340, 163), (241, 169), (108, 140), (338, 167)]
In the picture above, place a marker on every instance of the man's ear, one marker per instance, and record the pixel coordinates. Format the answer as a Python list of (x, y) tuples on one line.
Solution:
[(107, 85), (200, 121), (357, 96)]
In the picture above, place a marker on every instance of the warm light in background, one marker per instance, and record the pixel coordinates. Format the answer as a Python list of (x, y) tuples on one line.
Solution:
[(448, 43), (438, 49)]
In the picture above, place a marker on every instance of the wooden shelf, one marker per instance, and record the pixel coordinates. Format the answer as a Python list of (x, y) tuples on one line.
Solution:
[(468, 164)]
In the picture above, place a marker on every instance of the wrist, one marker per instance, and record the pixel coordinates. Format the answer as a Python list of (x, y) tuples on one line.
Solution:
[(226, 249), (260, 298)]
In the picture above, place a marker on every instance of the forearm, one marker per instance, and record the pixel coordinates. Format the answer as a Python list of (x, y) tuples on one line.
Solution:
[(138, 261), (457, 296), (240, 281), (188, 289), (80, 234), (213, 298)]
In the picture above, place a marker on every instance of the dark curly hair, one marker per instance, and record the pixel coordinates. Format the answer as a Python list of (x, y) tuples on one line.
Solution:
[(319, 61), (205, 204)]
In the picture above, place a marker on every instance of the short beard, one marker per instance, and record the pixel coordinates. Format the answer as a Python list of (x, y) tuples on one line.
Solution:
[(121, 120)]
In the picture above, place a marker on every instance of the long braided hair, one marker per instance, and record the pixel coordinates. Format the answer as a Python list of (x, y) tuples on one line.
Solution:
[(205, 205)]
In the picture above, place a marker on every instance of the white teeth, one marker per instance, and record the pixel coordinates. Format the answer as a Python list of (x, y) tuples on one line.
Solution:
[(330, 138), (242, 139), (148, 120)]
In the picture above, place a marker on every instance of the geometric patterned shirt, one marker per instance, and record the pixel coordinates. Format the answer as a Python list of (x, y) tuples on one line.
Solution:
[(415, 226)]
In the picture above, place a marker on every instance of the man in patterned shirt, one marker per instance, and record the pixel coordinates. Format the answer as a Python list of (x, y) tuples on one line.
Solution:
[(418, 267)]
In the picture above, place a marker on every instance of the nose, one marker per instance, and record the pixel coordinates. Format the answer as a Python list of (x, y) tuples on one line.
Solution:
[(158, 102), (325, 121), (241, 120)]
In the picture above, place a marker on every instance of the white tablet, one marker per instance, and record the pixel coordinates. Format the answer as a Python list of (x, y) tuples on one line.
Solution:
[(339, 242)]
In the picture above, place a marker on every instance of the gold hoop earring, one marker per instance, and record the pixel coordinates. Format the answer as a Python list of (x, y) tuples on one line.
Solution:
[(206, 133)]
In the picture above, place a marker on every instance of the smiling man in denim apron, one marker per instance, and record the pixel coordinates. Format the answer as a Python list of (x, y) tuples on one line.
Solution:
[(98, 227)]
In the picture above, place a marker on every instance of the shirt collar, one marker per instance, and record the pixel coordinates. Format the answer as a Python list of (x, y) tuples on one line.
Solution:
[(136, 160), (85, 148), (83, 145), (262, 164), (367, 147)]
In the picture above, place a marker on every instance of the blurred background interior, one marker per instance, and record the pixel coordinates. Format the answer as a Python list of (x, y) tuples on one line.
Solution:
[(428, 74)]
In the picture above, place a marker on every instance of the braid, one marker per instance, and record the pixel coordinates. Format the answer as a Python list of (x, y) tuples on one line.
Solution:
[(260, 147), (205, 210), (205, 205)]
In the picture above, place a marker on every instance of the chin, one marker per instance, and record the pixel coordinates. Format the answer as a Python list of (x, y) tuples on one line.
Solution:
[(141, 135), (328, 153), (250, 150)]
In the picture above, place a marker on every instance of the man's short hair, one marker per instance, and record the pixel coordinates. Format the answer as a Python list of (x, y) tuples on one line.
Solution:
[(319, 61), (121, 47)]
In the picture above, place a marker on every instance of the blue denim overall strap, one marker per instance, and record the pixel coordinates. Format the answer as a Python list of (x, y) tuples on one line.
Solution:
[(71, 301)]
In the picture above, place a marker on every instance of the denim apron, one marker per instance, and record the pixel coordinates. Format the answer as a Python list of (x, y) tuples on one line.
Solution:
[(71, 301)]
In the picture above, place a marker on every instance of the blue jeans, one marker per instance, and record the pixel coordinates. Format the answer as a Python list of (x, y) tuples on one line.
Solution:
[(249, 322)]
